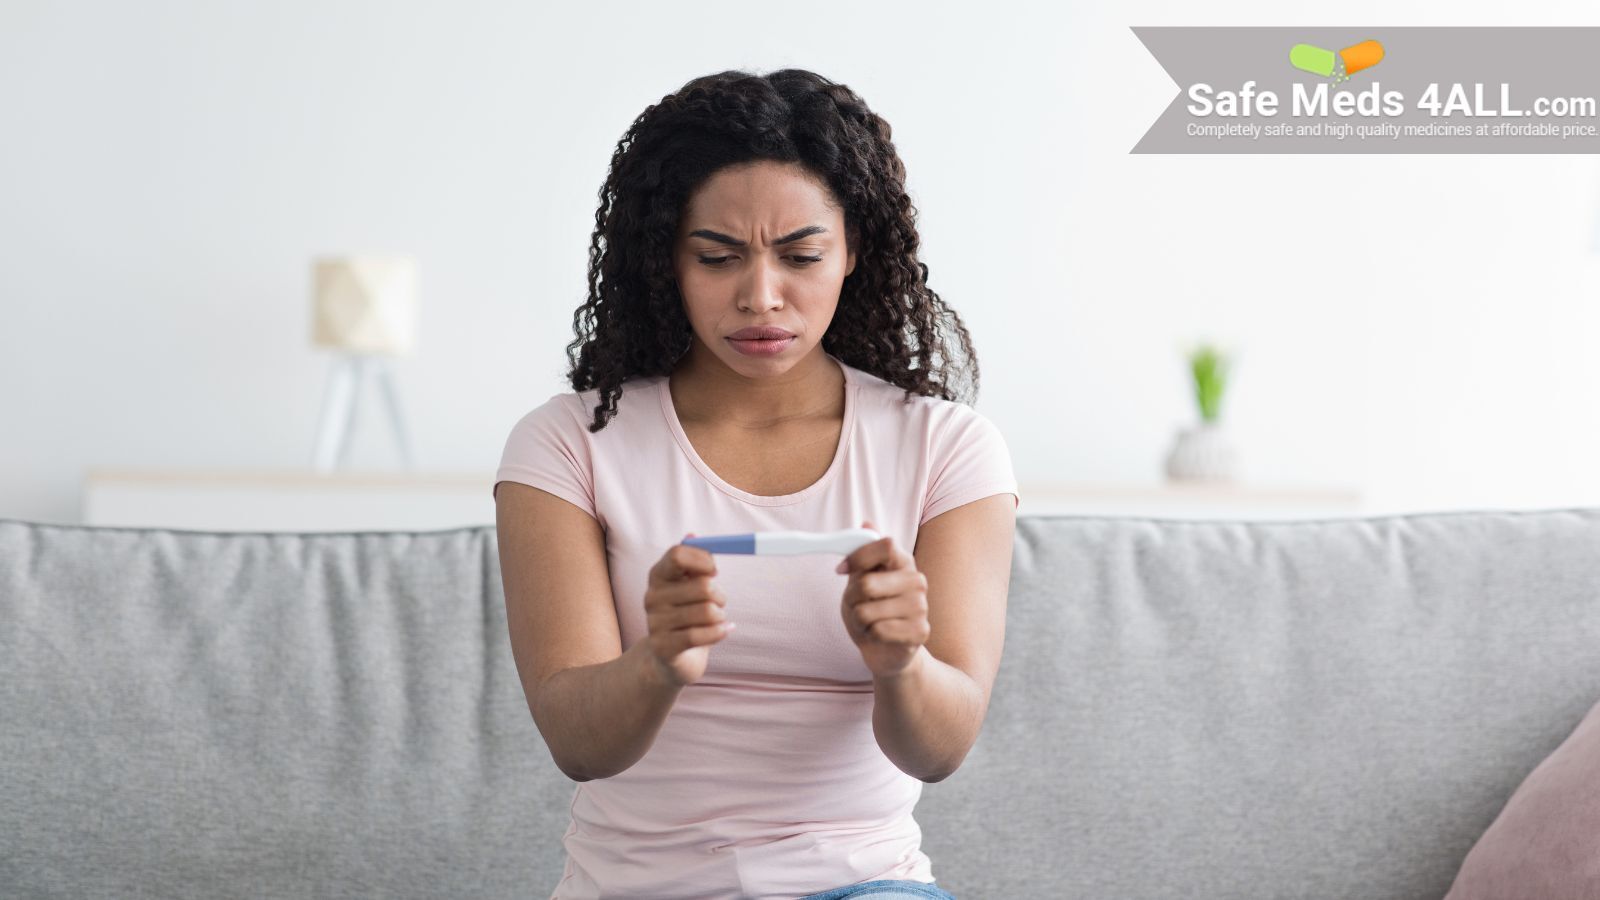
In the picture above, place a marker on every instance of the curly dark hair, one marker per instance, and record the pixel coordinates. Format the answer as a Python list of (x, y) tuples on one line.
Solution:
[(888, 321)]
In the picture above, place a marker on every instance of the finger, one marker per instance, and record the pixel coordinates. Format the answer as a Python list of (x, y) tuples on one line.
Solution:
[(863, 557), (866, 557), (697, 615), (898, 630), (691, 591), (880, 553), (698, 636), (668, 593), (894, 612), (886, 608), (851, 562), (907, 583), (684, 561), (899, 557), (679, 612)]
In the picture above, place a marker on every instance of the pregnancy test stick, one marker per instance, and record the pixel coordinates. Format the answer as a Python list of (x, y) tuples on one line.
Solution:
[(787, 543)]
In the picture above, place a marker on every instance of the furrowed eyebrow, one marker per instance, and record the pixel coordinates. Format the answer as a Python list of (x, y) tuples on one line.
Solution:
[(790, 238)]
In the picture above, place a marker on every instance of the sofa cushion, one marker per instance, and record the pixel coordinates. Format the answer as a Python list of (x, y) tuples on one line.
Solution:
[(1545, 845)]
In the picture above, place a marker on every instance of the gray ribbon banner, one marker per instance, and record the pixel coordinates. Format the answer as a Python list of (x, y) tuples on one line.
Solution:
[(1376, 89)]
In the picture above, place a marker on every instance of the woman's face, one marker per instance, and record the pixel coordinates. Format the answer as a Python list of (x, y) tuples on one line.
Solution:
[(761, 244)]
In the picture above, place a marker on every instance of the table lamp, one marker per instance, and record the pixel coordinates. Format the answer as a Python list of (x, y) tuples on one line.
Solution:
[(364, 308)]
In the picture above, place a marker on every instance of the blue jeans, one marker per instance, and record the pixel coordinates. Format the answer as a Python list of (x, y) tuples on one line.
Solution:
[(871, 890)]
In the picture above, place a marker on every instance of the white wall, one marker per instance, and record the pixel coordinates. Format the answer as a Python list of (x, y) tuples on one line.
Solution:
[(167, 171)]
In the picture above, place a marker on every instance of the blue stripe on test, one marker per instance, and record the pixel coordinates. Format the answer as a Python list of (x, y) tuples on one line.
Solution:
[(724, 543)]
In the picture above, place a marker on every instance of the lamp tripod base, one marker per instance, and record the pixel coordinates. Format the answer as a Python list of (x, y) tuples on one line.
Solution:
[(339, 406)]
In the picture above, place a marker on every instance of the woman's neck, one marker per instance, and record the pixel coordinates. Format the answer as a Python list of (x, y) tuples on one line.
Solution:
[(706, 390)]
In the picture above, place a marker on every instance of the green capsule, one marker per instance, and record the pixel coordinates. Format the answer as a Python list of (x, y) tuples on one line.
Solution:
[(1311, 59)]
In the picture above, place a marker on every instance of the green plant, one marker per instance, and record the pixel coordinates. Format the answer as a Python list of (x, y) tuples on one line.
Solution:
[(1210, 367)]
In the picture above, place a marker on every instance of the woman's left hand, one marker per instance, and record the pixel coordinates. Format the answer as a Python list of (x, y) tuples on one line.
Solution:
[(885, 605)]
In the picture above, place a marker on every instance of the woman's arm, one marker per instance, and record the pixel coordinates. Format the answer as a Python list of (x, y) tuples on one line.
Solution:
[(598, 708), (606, 716), (928, 716)]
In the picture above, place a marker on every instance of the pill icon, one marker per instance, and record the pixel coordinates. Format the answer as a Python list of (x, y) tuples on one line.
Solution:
[(1338, 66), (1311, 59), (1361, 56)]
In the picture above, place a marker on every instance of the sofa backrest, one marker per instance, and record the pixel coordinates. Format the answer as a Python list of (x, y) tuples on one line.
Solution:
[(1320, 708), (1324, 708)]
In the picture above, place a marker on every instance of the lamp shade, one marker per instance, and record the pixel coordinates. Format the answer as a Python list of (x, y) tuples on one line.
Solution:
[(365, 304)]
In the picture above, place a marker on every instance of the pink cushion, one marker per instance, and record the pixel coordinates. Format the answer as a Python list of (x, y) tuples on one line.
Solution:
[(1545, 844)]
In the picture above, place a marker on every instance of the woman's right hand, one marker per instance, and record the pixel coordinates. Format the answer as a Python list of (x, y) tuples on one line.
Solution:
[(685, 612)]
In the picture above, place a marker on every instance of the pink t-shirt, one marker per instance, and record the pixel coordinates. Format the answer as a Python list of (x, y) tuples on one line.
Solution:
[(766, 780)]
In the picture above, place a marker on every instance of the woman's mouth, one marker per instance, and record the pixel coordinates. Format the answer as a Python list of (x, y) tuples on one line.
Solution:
[(762, 347)]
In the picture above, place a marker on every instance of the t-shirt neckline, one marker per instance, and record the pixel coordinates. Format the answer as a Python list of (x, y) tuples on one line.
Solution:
[(670, 413)]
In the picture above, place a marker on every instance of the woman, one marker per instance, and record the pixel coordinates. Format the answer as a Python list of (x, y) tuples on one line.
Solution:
[(759, 351)]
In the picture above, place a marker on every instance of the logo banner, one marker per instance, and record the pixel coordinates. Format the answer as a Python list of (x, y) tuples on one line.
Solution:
[(1376, 90)]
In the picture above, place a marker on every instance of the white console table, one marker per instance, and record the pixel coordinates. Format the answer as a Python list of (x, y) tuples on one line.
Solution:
[(1179, 500), (287, 500), (303, 500)]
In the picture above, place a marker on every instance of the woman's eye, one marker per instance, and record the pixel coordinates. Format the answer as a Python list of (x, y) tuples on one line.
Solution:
[(716, 262)]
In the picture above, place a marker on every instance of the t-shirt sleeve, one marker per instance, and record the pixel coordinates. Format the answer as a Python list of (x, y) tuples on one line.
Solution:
[(968, 461), (548, 448)]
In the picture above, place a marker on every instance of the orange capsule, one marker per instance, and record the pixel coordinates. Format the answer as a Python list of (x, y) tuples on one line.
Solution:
[(1361, 56)]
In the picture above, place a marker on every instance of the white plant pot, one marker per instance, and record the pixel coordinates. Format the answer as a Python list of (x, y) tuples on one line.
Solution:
[(1202, 452)]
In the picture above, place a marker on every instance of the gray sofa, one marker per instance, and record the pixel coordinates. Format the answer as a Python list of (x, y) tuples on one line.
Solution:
[(1327, 708)]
